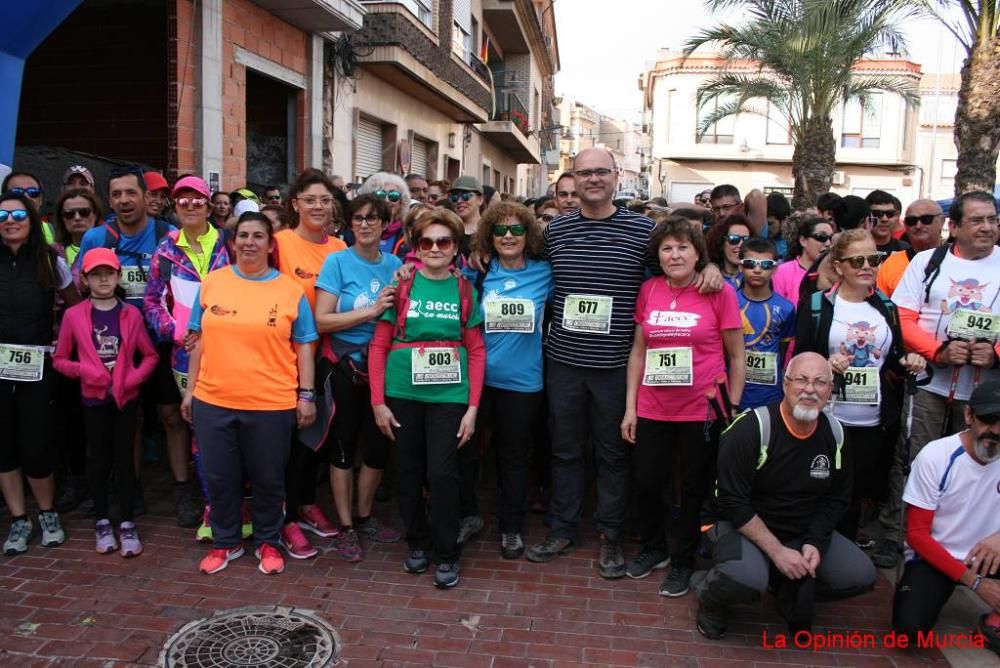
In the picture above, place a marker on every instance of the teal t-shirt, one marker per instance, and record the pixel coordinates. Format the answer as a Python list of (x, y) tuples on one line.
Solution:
[(434, 374)]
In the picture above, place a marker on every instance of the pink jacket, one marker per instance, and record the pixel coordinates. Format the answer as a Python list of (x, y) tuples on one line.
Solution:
[(77, 334)]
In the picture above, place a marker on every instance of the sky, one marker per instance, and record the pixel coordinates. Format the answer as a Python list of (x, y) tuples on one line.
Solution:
[(604, 46)]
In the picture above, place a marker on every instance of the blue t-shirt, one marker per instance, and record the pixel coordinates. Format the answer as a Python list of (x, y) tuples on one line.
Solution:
[(134, 254), (779, 241), (513, 339), (303, 327), (765, 325), (356, 282)]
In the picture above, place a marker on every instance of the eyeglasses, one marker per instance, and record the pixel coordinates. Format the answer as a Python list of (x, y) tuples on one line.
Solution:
[(884, 213), (83, 212), (33, 193), (464, 195), (926, 219), (980, 220), (274, 198), (858, 261), (587, 173), (391, 195), (193, 202), (989, 419), (752, 263), (821, 237), (546, 217), (443, 244), (433, 197), (516, 229), (802, 382), (367, 219), (17, 215), (725, 208), (311, 202), (735, 239)]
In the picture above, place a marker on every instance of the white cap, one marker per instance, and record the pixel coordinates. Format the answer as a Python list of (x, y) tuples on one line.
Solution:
[(245, 205)]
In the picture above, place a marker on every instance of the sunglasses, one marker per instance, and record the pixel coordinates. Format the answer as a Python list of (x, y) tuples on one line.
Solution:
[(883, 213), (443, 244), (17, 215), (821, 237), (858, 261), (926, 219), (464, 195), (735, 239), (752, 263), (392, 195), (989, 420), (196, 202), (84, 212), (517, 230), (27, 192)]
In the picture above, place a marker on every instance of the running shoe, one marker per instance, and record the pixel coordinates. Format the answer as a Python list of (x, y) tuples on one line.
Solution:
[(416, 562), (313, 520), (549, 549), (647, 562), (131, 545), (469, 528), (104, 537), (348, 546), (218, 558), (677, 583), (204, 533), (52, 531), (374, 531), (446, 576), (611, 562), (295, 542), (246, 528), (271, 562), (18, 537), (511, 545)]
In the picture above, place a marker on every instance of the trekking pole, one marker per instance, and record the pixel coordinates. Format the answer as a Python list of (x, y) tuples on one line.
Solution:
[(952, 388), (713, 402)]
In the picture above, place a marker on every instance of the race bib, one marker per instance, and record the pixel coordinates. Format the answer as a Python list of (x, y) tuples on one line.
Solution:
[(668, 366), (22, 363), (435, 366), (762, 368), (133, 282), (588, 314), (182, 381), (510, 315), (861, 385), (972, 325)]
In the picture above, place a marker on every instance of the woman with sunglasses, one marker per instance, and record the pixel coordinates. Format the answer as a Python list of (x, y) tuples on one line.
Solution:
[(516, 287), (31, 274), (857, 328), (353, 291), (426, 362), (392, 189), (687, 350), (179, 265), (299, 253), (77, 210), (813, 236), (723, 242)]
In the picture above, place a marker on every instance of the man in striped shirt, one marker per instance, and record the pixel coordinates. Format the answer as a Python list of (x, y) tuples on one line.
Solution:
[(599, 260)]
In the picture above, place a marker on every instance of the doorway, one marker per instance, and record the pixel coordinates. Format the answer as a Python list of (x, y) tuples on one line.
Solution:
[(271, 127)]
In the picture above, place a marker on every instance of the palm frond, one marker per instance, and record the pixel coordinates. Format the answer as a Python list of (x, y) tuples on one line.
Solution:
[(861, 87)]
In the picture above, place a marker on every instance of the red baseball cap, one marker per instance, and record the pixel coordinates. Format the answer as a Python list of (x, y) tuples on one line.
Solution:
[(100, 257), (155, 181)]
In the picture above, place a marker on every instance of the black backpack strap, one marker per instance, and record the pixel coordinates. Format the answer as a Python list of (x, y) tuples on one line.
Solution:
[(480, 279), (933, 269), (112, 235)]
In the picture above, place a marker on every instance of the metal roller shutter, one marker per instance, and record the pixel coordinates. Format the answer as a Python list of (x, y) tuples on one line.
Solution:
[(462, 14), (368, 158), (418, 157)]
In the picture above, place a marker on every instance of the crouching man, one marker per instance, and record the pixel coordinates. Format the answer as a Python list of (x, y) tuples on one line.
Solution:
[(953, 522), (784, 481)]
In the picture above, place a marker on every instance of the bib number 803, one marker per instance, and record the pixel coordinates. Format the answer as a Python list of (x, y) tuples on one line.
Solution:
[(439, 359)]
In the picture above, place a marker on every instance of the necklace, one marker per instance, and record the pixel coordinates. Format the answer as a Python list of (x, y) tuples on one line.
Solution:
[(675, 295)]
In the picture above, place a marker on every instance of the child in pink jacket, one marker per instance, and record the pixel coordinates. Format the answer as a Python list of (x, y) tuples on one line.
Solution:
[(105, 334)]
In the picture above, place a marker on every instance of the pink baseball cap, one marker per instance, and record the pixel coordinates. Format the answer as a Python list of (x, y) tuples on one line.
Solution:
[(100, 257), (192, 183)]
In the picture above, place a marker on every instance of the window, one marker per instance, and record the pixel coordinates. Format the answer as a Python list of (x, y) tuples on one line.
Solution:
[(862, 122), (938, 109), (719, 133), (461, 30), (778, 131), (487, 172), (422, 9), (949, 168)]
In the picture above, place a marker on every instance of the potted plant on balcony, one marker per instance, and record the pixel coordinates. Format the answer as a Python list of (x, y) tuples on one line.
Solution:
[(520, 120)]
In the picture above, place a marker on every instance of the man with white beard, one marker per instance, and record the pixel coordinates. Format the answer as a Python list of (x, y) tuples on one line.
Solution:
[(784, 481), (953, 522)]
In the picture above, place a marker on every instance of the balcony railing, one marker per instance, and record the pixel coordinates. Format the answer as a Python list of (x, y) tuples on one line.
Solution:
[(510, 108)]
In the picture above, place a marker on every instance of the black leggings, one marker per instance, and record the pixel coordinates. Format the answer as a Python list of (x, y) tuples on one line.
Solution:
[(354, 418), (871, 453), (300, 479), (69, 428), (110, 442), (26, 426)]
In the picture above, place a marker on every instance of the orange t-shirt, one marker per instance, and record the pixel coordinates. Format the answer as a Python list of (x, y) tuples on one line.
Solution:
[(247, 329), (302, 260), (891, 272)]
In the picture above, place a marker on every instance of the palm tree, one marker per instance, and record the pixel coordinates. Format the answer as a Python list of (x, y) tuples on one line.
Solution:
[(804, 50), (977, 117)]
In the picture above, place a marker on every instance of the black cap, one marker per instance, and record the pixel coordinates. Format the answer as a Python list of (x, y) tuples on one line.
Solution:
[(985, 399)]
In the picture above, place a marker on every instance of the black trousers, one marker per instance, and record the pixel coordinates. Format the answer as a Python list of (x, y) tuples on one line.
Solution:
[(922, 593), (659, 447), (871, 453), (300, 478), (111, 443), (71, 449), (231, 440), (427, 450), (354, 418), (26, 426)]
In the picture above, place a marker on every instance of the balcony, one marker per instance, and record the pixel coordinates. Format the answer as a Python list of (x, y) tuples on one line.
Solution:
[(508, 129), (502, 18), (317, 15)]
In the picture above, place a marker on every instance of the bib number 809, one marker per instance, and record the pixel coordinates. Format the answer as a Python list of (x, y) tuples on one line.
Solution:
[(511, 309)]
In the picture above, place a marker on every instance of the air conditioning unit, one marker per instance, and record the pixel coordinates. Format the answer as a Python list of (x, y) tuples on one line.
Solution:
[(839, 178)]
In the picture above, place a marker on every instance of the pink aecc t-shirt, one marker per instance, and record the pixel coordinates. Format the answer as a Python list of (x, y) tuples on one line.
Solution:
[(696, 322)]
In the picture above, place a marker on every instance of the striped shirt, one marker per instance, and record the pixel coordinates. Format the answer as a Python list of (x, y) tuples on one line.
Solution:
[(597, 257)]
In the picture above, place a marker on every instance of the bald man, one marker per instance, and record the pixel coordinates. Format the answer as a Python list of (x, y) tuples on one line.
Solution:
[(776, 506), (923, 220)]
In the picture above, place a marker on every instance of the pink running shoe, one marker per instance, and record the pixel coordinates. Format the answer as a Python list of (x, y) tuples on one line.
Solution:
[(315, 521), (295, 543)]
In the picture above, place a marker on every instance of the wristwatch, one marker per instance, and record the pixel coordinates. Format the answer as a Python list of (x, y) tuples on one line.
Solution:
[(976, 583)]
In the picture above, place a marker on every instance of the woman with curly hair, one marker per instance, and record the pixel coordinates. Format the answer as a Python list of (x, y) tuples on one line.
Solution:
[(812, 237), (723, 242)]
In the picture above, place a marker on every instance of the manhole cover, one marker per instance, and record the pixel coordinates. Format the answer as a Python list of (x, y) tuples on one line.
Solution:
[(255, 636)]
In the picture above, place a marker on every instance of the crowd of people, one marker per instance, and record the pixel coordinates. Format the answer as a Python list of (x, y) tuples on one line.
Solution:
[(784, 394)]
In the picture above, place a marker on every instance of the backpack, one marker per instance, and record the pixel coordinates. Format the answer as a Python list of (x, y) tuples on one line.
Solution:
[(816, 304), (403, 303), (764, 424), (113, 237), (933, 267)]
